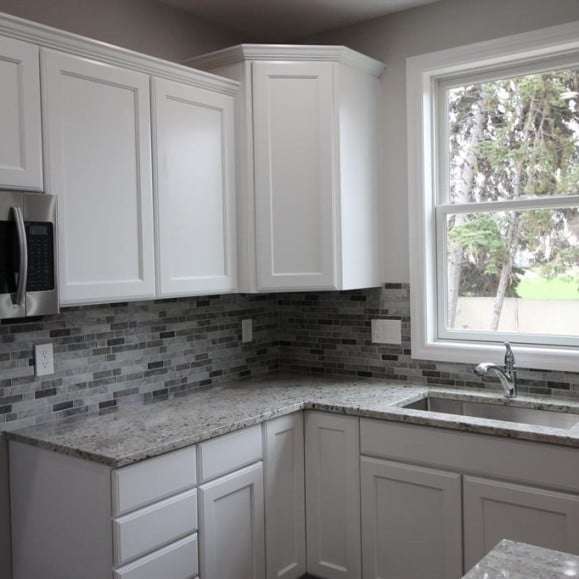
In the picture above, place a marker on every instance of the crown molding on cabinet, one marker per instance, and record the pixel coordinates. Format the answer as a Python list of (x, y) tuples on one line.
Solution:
[(289, 52), (46, 36)]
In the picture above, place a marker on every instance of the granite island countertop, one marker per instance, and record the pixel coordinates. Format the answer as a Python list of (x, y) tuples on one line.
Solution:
[(512, 560), (134, 433)]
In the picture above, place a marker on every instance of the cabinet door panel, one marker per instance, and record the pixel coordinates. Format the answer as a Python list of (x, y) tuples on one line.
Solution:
[(231, 527), (194, 158), (285, 525), (175, 561), (20, 142), (333, 496), (495, 510), (98, 134), (294, 162), (411, 521)]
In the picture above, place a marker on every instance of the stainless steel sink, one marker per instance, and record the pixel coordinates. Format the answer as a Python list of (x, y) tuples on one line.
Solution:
[(508, 413)]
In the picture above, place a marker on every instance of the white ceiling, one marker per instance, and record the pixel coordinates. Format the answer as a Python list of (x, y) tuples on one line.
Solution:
[(283, 20)]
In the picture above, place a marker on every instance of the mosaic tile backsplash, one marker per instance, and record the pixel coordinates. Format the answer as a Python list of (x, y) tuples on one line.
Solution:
[(113, 354), (330, 333), (110, 355)]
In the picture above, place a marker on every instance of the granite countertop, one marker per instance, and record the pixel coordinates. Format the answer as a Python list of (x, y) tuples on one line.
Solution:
[(511, 560), (135, 433)]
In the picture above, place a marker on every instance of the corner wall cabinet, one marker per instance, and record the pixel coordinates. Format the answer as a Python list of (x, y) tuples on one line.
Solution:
[(20, 125), (307, 167), (137, 219)]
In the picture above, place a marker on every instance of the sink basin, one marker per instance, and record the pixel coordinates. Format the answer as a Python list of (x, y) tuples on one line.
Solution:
[(509, 413)]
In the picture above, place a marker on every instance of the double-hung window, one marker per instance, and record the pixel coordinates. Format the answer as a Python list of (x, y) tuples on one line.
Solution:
[(494, 200)]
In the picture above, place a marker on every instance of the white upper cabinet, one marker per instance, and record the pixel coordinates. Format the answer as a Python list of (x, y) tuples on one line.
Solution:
[(20, 126), (294, 201), (307, 166), (97, 135), (193, 154)]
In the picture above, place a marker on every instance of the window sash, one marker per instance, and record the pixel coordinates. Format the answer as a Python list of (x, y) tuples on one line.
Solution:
[(441, 156), (443, 207), (442, 212)]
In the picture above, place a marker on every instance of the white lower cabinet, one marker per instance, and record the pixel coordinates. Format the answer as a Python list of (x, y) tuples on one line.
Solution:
[(415, 508), (176, 561), (285, 514), (74, 518), (333, 496), (495, 510), (232, 542), (374, 499), (411, 521)]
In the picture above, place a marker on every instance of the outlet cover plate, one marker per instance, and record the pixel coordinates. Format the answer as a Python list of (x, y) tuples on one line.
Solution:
[(386, 331), (43, 359)]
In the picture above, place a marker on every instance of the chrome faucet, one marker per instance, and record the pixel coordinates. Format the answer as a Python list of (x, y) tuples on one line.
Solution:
[(507, 374)]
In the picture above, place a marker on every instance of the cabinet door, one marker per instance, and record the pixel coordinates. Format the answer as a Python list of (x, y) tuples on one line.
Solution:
[(285, 524), (293, 112), (231, 528), (495, 510), (411, 521), (98, 133), (195, 174), (333, 496), (20, 142)]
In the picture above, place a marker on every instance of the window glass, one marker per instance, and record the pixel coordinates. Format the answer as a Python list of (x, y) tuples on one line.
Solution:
[(514, 271), (514, 137)]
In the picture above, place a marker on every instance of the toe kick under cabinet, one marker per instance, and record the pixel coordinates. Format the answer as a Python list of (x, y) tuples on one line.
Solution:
[(201, 511)]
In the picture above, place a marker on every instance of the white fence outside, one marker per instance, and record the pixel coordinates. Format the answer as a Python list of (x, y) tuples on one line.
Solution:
[(520, 315)]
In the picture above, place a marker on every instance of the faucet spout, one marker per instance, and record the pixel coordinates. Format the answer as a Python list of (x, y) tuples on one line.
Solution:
[(506, 374)]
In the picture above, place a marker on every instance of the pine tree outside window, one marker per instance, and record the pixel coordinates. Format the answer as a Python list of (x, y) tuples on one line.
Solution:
[(494, 200)]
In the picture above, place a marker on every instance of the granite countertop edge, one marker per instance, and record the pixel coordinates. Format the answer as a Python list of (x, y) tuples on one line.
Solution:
[(131, 435), (515, 560)]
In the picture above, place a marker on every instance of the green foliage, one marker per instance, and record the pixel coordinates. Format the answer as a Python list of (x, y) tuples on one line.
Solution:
[(528, 146)]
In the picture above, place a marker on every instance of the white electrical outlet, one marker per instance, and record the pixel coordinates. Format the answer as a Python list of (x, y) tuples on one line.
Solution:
[(44, 359), (246, 331), (386, 332)]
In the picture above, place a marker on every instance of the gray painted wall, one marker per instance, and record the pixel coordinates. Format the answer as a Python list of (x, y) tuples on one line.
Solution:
[(392, 39), (143, 25)]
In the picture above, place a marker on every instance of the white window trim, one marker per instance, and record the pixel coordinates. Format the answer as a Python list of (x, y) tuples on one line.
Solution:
[(422, 72)]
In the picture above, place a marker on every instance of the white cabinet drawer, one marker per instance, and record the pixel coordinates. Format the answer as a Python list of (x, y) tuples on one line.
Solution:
[(176, 561), (149, 481), (143, 531), (229, 452)]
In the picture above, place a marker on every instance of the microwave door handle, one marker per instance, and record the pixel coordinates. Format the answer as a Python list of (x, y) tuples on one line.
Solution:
[(23, 249)]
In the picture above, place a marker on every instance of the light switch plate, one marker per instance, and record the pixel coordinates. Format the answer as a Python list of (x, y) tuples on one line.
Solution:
[(246, 331), (386, 332), (43, 359)]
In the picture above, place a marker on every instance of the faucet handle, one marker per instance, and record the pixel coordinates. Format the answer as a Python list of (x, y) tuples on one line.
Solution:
[(509, 357)]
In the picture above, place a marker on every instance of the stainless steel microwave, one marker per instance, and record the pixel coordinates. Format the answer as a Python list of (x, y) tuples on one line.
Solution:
[(27, 254)]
